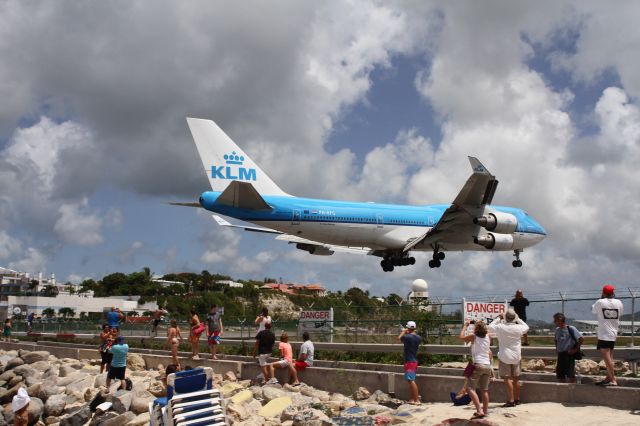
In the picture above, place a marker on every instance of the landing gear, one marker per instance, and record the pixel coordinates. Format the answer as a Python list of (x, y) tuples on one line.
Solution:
[(389, 263), (517, 263), (438, 257)]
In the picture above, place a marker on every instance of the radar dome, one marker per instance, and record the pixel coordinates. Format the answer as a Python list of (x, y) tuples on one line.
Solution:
[(419, 285)]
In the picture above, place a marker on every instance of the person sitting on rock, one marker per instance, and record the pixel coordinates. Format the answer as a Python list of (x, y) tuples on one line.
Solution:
[(286, 357), (118, 363), (20, 406)]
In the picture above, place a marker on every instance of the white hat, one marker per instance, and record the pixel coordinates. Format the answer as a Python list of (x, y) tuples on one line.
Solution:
[(20, 400), (411, 324)]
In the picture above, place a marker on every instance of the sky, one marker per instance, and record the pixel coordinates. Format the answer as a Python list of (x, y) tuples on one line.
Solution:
[(349, 100)]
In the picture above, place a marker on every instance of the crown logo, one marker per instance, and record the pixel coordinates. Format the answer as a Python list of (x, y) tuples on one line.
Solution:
[(233, 158)]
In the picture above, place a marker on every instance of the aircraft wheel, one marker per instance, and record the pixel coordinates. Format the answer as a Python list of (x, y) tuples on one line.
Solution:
[(437, 263), (441, 255), (390, 268), (412, 261), (517, 263), (432, 264)]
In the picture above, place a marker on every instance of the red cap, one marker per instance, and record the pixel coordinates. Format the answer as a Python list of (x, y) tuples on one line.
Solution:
[(608, 289)]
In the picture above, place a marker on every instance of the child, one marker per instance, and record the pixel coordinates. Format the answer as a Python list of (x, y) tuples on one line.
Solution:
[(7, 330), (119, 363), (19, 406), (173, 336), (286, 355), (107, 342)]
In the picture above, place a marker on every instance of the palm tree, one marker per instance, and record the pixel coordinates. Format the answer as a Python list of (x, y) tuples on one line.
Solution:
[(49, 312)]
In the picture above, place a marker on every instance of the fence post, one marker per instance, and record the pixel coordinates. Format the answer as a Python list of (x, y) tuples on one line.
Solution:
[(562, 299), (633, 317)]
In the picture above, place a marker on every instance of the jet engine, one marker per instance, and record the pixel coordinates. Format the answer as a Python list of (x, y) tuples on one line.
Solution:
[(503, 223), (313, 249), (495, 241)]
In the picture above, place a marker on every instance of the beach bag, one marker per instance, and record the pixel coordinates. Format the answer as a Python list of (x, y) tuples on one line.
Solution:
[(198, 329), (463, 400)]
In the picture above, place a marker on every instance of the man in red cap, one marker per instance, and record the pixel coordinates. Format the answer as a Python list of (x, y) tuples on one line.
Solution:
[(608, 309)]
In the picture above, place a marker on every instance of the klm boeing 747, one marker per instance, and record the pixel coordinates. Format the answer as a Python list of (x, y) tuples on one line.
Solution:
[(241, 190)]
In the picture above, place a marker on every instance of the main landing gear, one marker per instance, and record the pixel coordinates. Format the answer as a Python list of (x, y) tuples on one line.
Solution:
[(517, 263), (388, 263), (438, 257)]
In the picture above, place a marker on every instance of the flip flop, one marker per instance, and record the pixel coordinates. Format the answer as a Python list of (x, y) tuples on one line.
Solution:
[(478, 416)]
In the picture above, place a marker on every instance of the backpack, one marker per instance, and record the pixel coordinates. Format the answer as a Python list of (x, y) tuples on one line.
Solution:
[(99, 399), (128, 384)]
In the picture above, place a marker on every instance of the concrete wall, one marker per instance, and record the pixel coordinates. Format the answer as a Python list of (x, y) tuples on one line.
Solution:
[(433, 387)]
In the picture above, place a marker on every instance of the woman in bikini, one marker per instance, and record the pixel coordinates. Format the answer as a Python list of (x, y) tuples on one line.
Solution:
[(173, 338), (194, 334)]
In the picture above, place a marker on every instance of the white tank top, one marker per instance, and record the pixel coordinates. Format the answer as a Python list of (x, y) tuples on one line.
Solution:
[(480, 350)]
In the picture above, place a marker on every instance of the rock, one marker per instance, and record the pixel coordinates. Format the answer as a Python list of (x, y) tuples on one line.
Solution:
[(7, 396), (140, 401), (142, 419), (55, 405), (290, 388), (101, 380), (275, 407), (75, 398), (256, 391), (52, 371), (13, 364), (135, 362), (34, 390), (25, 371), (535, 365), (230, 376), (270, 393), (587, 366), (120, 420), (80, 385), (288, 414), (621, 367), (16, 380), (30, 381), (461, 365), (361, 394), (66, 371), (156, 388), (7, 375), (229, 389), (41, 366), (35, 410), (237, 411), (52, 420), (100, 417), (121, 401), (242, 397), (46, 391), (35, 356), (67, 380), (375, 408), (301, 401), (311, 417), (77, 418)]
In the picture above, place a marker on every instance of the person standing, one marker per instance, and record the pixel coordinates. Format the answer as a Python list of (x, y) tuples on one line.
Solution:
[(118, 367), (158, 314), (482, 370), (196, 330), (30, 319), (509, 330), (411, 342), (520, 303), (608, 309), (214, 330), (173, 339), (305, 359), (262, 319), (568, 340), (6, 332), (265, 340), (114, 317)]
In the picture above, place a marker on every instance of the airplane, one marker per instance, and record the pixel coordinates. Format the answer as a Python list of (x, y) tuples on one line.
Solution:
[(241, 190)]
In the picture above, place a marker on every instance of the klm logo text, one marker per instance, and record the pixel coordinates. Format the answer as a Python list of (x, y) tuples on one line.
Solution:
[(227, 172)]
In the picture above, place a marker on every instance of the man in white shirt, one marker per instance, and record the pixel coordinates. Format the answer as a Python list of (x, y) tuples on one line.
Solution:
[(608, 310), (509, 331), (305, 359)]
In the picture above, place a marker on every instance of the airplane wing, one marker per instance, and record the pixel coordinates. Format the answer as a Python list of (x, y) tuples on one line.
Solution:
[(456, 224), (222, 222), (292, 239)]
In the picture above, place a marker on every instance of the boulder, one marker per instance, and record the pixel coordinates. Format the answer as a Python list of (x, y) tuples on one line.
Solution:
[(120, 420), (67, 380), (32, 380), (587, 366), (275, 407), (100, 417), (535, 365), (46, 391), (230, 389), (135, 362), (17, 380), (41, 366), (55, 405), (52, 371), (237, 412), (311, 417), (288, 414), (25, 371), (270, 393), (101, 380), (13, 363), (140, 401), (361, 394), (66, 370), (242, 397), (35, 410), (35, 356), (7, 396), (7, 375), (141, 419), (80, 385), (34, 390), (77, 418), (121, 401), (230, 376)]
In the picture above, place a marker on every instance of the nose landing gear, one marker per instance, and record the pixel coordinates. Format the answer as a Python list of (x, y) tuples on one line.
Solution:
[(438, 257), (517, 263)]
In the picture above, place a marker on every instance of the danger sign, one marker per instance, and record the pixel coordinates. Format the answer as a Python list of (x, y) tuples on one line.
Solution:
[(485, 311)]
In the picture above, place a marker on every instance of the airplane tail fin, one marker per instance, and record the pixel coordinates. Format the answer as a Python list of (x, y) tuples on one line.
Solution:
[(224, 162)]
